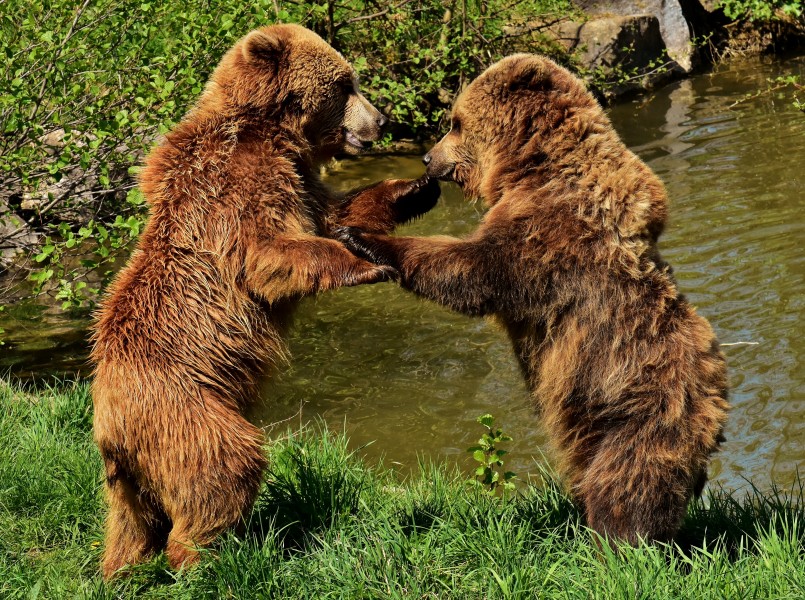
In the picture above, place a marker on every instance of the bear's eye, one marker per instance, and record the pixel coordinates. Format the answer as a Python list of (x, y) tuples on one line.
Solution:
[(455, 124), (346, 86)]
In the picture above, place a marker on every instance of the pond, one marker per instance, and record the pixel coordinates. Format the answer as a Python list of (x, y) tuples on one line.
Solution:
[(406, 379)]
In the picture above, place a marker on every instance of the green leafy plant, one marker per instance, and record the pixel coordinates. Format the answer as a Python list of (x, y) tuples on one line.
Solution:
[(490, 474), (607, 78), (761, 10), (86, 89)]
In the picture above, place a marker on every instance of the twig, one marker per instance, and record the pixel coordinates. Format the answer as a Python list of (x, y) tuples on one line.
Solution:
[(298, 413), (52, 64), (375, 15), (769, 90)]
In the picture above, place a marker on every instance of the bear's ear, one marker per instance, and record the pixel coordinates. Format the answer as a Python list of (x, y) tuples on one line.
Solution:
[(530, 75), (262, 46)]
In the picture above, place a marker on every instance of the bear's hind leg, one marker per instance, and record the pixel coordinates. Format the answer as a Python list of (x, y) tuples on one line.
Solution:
[(199, 524), (228, 462), (634, 493), (135, 528)]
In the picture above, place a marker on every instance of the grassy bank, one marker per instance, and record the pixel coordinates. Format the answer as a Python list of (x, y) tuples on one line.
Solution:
[(328, 526)]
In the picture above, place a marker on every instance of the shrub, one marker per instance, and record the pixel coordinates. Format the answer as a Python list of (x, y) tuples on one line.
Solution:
[(761, 10)]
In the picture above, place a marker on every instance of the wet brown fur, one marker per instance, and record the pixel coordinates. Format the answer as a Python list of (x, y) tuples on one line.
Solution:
[(236, 236), (628, 378)]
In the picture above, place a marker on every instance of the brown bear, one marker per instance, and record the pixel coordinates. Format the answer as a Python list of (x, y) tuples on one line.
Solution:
[(237, 234), (628, 377)]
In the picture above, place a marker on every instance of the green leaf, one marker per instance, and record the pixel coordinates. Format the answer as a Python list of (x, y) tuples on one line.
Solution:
[(41, 276), (486, 420), (135, 197), (45, 252)]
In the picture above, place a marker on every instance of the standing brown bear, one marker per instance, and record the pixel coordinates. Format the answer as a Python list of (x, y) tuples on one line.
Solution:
[(236, 236), (629, 379)]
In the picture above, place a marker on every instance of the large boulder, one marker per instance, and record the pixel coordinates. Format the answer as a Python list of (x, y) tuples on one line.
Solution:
[(623, 53), (674, 27)]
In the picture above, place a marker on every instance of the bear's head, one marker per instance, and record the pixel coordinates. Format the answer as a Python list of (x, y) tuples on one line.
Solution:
[(288, 76), (521, 114)]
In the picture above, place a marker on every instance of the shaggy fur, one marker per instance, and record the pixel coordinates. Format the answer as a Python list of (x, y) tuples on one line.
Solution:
[(236, 236), (628, 378)]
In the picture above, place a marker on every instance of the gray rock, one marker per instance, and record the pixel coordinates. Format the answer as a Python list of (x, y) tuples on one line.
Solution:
[(673, 25), (628, 52), (15, 235)]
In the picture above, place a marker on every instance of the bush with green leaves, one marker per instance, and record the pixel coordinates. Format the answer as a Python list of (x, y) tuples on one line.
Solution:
[(761, 10), (490, 474), (87, 87)]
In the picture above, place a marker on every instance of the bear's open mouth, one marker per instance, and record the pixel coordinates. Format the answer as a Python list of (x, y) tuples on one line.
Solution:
[(353, 140)]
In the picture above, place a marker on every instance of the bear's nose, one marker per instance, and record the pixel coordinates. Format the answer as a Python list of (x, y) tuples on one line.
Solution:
[(382, 120), (427, 158)]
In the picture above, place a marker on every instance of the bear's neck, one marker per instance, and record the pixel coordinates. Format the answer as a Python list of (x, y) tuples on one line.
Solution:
[(282, 131), (574, 160), (517, 173)]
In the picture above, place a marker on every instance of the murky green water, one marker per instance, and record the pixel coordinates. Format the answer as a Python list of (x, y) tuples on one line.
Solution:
[(409, 378)]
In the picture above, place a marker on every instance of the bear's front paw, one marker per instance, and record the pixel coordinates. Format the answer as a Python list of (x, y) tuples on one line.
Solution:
[(373, 274), (362, 245), (384, 273), (417, 197)]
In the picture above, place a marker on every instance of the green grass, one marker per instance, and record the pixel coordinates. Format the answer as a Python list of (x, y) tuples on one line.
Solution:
[(328, 526)]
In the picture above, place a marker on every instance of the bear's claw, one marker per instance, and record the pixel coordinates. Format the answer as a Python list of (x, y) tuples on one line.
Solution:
[(356, 242), (421, 196)]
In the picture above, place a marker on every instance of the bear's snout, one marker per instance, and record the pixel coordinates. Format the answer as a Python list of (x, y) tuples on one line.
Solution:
[(438, 167), (363, 122)]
